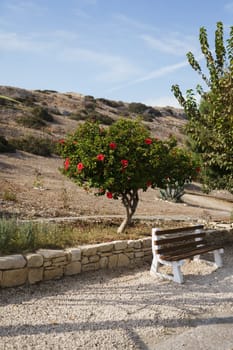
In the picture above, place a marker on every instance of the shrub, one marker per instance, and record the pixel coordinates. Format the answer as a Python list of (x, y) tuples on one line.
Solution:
[(110, 103), (36, 145), (43, 114), (137, 107), (5, 146), (120, 160), (31, 121)]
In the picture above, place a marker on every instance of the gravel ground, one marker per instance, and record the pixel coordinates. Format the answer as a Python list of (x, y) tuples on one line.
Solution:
[(122, 309)]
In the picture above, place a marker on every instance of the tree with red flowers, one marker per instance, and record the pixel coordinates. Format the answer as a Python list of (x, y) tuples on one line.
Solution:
[(118, 161)]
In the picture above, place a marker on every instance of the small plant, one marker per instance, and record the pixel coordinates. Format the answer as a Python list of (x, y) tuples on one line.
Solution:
[(9, 195), (38, 182)]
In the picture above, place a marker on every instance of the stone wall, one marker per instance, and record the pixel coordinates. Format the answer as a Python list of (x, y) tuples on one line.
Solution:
[(46, 264)]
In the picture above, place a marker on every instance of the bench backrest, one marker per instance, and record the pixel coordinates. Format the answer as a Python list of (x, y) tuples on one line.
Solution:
[(177, 240)]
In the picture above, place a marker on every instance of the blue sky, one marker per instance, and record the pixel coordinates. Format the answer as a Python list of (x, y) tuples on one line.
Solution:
[(128, 50)]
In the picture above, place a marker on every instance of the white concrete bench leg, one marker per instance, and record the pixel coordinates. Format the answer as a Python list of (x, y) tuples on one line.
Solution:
[(154, 267), (178, 276), (218, 258)]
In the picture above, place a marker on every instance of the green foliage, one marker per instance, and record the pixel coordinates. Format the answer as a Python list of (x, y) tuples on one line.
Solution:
[(137, 107), (94, 116), (210, 125), (18, 237), (41, 146), (110, 103), (42, 113), (5, 146), (37, 119), (120, 160)]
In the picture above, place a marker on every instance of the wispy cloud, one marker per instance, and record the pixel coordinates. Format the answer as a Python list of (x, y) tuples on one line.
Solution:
[(154, 74), (229, 7), (130, 22), (116, 68), (174, 44), (10, 41)]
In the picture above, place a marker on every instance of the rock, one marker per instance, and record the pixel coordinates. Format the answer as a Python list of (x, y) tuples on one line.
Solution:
[(73, 268), (34, 260), (35, 275), (13, 278), (16, 261)]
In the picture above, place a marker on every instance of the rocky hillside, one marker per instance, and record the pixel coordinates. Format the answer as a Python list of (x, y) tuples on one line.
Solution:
[(53, 114)]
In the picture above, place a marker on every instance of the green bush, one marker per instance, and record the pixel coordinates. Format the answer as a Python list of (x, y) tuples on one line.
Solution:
[(36, 145), (5, 146), (110, 103), (43, 114), (31, 121), (16, 237), (93, 116), (137, 107)]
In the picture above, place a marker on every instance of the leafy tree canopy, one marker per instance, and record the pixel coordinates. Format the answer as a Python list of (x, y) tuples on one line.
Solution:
[(120, 160), (210, 125)]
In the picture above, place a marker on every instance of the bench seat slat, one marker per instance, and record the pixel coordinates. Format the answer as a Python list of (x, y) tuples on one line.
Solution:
[(179, 238), (191, 253), (181, 247), (180, 229)]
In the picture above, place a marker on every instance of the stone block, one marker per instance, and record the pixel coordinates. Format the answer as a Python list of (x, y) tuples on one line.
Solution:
[(53, 273), (73, 268), (89, 250), (85, 260), (62, 259), (35, 275), (146, 242), (139, 254), (13, 278), (103, 262), (138, 244), (130, 244), (130, 255), (105, 247), (120, 245), (123, 260), (75, 254), (90, 267), (8, 262), (34, 260), (51, 253), (94, 258), (112, 261)]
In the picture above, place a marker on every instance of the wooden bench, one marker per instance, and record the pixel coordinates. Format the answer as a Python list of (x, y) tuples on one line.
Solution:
[(172, 246)]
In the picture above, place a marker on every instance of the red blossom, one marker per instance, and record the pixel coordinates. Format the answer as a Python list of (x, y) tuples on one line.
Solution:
[(80, 166), (62, 141), (67, 163), (124, 163), (149, 183), (100, 157), (198, 169), (75, 142), (112, 145), (109, 195), (148, 141)]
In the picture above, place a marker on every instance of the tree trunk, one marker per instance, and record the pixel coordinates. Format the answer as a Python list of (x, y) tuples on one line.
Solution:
[(130, 201)]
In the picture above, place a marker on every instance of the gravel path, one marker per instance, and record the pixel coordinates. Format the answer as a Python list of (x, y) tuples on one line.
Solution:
[(125, 309)]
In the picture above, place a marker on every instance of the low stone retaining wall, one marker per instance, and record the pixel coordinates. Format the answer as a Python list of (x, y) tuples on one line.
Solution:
[(46, 264)]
